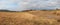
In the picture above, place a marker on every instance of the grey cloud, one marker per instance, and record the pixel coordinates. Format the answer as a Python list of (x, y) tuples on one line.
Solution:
[(34, 4)]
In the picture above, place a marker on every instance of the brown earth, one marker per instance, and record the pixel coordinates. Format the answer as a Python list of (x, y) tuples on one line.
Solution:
[(30, 18)]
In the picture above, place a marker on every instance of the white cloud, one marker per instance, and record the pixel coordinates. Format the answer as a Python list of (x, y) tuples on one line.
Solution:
[(28, 4)]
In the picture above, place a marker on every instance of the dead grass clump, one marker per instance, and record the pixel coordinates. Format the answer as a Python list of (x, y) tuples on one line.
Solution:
[(15, 18), (58, 20), (24, 19), (44, 21), (58, 13)]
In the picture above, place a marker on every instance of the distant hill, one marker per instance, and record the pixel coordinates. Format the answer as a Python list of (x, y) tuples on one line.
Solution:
[(6, 11)]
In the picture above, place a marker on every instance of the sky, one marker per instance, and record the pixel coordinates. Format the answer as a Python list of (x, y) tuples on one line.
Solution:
[(20, 5)]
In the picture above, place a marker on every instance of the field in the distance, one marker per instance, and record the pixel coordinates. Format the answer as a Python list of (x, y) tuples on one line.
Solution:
[(30, 18)]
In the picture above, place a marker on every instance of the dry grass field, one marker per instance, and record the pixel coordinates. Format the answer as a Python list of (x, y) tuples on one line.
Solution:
[(30, 18)]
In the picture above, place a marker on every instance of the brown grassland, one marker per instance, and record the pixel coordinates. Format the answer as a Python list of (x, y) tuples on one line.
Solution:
[(30, 18)]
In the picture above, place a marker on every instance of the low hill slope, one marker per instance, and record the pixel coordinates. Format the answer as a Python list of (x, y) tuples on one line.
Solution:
[(30, 18)]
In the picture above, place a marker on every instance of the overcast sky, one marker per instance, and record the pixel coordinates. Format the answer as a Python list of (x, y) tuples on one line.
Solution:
[(19, 5)]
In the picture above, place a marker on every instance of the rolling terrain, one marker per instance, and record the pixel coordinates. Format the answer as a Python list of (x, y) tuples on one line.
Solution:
[(38, 17)]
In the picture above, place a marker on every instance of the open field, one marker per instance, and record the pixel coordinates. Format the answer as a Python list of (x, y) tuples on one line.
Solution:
[(30, 18)]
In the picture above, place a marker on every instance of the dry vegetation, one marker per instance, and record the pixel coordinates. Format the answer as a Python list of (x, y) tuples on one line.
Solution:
[(30, 18)]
